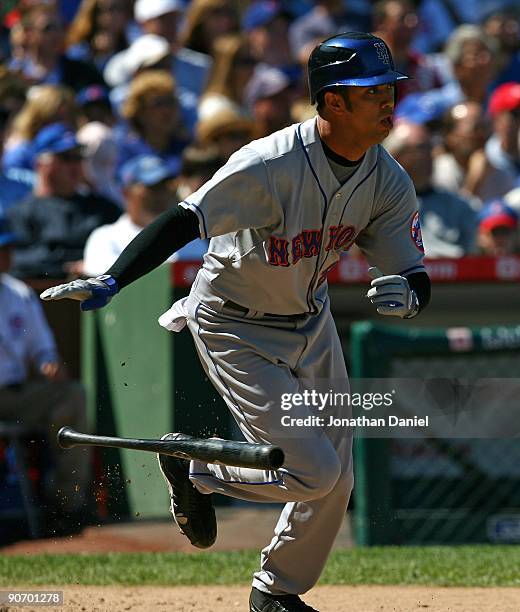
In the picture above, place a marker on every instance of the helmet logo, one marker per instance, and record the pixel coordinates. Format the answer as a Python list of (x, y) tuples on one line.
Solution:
[(382, 52)]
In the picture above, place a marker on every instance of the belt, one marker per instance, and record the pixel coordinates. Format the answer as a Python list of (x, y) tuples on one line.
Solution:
[(260, 315)]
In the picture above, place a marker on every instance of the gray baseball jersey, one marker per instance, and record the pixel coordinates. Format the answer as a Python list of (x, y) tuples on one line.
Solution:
[(279, 219)]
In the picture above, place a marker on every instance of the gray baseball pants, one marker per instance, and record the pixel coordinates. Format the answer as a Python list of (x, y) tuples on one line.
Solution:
[(252, 361)]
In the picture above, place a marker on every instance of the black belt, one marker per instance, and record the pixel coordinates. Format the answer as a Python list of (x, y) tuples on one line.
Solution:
[(268, 315)]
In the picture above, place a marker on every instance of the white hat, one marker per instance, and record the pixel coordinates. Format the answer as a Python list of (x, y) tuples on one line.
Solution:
[(146, 50), (150, 9)]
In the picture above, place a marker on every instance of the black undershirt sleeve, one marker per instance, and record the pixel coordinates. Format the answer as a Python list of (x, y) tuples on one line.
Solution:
[(421, 284), (151, 247)]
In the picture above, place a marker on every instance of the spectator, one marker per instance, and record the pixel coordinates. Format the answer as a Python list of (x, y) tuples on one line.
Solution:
[(94, 105), (53, 223), (396, 21), (439, 18), (503, 24), (98, 31), (494, 170), (148, 192), (17, 42), (153, 117), (231, 71), (45, 104), (269, 96), (497, 170), (14, 184), (266, 25), (48, 400), (473, 57), (225, 130), (326, 18), (449, 224), (162, 18), (199, 164), (206, 21), (148, 52), (100, 161), (464, 130), (497, 230), (43, 60)]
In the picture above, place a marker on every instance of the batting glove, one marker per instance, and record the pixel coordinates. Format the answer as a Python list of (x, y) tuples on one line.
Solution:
[(92, 293), (392, 295)]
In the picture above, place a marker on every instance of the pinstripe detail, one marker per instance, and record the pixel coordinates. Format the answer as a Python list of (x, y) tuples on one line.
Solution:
[(310, 302)]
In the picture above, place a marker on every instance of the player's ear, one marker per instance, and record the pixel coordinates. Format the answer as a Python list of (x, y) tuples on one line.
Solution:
[(334, 102)]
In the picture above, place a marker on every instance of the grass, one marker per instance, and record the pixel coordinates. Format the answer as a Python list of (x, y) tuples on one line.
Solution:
[(469, 566)]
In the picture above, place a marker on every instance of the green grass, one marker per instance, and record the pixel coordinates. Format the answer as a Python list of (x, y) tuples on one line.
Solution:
[(440, 566)]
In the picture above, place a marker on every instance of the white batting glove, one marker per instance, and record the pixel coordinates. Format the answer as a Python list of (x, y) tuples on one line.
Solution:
[(392, 295), (93, 293)]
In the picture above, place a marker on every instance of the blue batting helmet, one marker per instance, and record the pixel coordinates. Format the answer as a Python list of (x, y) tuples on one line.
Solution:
[(352, 58)]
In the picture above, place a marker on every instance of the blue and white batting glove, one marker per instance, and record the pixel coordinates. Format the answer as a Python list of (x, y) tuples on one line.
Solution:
[(92, 293), (392, 295)]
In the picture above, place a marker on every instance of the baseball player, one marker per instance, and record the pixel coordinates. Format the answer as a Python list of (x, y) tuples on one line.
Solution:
[(279, 214)]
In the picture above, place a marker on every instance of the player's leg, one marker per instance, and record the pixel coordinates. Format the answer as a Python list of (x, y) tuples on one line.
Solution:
[(253, 366), (252, 380), (306, 531)]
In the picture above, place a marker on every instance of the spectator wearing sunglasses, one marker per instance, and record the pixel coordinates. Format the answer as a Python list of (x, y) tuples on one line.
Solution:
[(53, 223), (154, 125)]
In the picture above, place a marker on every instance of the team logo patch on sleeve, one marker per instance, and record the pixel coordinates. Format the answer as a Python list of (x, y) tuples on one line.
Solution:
[(415, 232)]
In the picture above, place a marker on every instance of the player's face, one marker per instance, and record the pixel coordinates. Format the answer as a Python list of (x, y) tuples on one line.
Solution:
[(369, 117)]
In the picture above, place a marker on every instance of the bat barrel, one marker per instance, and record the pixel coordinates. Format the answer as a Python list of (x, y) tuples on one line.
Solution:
[(276, 457)]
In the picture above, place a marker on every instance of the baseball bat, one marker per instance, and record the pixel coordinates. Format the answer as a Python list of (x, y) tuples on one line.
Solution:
[(226, 452)]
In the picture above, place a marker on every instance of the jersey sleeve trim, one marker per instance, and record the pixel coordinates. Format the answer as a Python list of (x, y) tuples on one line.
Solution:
[(200, 215)]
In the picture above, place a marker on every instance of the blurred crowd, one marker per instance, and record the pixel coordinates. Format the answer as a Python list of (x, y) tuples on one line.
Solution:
[(112, 110)]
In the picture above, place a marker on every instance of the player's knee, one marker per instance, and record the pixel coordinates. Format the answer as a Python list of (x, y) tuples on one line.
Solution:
[(326, 474)]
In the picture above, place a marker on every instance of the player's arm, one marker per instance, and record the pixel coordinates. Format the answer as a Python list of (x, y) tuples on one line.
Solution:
[(151, 247), (398, 295), (392, 241)]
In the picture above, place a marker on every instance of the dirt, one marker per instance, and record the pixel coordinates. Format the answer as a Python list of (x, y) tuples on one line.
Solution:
[(239, 528), (325, 599)]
